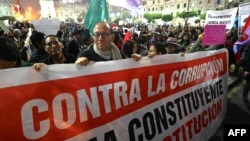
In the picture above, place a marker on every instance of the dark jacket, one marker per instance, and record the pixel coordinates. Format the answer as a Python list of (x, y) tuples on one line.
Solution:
[(69, 58), (92, 56), (38, 55), (73, 47)]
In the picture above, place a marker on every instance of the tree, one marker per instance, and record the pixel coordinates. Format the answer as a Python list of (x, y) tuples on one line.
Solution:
[(152, 17), (185, 14), (69, 20), (126, 15), (167, 18), (182, 14), (232, 4), (203, 16), (220, 8), (148, 16), (192, 13)]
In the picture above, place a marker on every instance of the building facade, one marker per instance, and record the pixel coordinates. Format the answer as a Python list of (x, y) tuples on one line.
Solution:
[(173, 7), (61, 9), (6, 8), (69, 10), (65, 9)]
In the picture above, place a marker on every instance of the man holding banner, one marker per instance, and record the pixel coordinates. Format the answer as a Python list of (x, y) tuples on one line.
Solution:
[(103, 49)]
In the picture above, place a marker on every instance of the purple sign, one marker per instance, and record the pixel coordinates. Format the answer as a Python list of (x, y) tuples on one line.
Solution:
[(214, 34)]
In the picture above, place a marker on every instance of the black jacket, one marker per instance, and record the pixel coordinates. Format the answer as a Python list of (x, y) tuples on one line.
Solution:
[(92, 56)]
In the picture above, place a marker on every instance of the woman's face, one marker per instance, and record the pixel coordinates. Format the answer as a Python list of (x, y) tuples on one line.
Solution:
[(135, 48), (186, 37), (152, 51)]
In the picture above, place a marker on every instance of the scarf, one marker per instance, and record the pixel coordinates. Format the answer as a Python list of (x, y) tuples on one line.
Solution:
[(113, 53)]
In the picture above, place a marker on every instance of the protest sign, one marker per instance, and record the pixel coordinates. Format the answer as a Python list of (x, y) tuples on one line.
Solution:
[(214, 34), (152, 27), (224, 17), (4, 27), (47, 26)]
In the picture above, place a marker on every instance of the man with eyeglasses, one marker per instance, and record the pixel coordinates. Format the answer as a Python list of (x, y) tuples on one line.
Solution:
[(103, 48)]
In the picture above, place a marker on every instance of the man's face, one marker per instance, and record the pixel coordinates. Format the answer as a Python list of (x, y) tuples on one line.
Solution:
[(78, 37), (102, 36), (170, 48), (53, 46)]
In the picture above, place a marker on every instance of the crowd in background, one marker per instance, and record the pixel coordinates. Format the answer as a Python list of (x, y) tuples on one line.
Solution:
[(130, 38), (76, 38)]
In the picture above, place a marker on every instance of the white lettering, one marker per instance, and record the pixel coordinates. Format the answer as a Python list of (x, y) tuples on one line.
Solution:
[(161, 85), (120, 89), (236, 132), (173, 82), (191, 74), (65, 111), (105, 89), (135, 91), (231, 132), (84, 102), (28, 120), (243, 131), (58, 112), (150, 86)]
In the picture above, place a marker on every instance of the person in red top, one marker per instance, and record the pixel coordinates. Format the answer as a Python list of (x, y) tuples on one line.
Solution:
[(127, 36), (118, 40)]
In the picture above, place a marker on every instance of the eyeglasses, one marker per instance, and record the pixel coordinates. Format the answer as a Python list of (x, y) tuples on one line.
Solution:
[(104, 34)]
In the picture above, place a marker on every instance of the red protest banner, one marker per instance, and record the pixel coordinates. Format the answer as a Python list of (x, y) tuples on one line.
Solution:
[(92, 106)]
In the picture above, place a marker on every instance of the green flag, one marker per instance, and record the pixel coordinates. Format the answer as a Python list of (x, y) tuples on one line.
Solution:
[(97, 11)]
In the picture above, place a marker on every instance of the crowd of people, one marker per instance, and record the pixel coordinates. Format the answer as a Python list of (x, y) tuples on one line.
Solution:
[(73, 43)]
